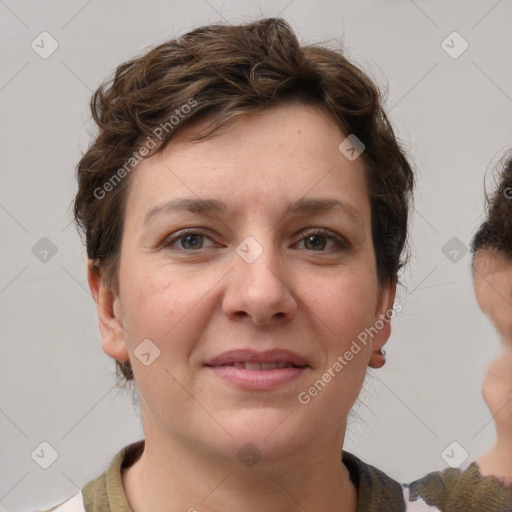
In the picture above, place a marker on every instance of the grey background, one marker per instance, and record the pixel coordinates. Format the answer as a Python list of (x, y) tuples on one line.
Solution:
[(454, 116)]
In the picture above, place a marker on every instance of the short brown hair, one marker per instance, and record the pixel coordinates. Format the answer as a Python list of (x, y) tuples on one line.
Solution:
[(495, 233), (231, 71)]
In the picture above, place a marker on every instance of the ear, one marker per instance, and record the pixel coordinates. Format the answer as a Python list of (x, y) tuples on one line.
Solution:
[(381, 325), (109, 315)]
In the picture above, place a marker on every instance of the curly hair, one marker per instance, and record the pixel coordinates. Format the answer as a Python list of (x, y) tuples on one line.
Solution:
[(495, 233), (232, 71)]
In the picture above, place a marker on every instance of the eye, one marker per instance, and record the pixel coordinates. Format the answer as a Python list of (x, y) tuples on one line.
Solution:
[(316, 239), (190, 240)]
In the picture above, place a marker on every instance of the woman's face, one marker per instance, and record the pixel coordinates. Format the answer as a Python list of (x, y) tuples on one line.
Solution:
[(255, 275), (493, 288)]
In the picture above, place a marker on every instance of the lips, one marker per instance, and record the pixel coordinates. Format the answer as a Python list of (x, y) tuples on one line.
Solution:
[(258, 361), (261, 366)]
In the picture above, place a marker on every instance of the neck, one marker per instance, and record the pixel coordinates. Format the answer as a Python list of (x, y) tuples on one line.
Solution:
[(498, 394), (171, 475), (497, 461)]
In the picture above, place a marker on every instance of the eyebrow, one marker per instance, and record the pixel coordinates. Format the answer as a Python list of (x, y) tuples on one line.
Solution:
[(216, 207)]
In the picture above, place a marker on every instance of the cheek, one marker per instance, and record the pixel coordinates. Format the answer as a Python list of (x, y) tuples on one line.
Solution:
[(149, 304), (166, 305), (342, 308), (342, 311), (161, 307), (348, 301)]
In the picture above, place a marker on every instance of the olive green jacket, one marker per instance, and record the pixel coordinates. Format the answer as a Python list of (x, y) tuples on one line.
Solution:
[(451, 490)]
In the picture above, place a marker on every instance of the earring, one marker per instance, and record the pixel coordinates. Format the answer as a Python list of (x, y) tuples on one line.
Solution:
[(382, 352)]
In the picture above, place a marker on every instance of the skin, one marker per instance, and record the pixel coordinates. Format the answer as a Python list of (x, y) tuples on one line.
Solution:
[(492, 274), (196, 303)]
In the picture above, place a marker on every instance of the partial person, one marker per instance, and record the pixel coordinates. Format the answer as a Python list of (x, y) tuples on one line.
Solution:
[(486, 484), (492, 277)]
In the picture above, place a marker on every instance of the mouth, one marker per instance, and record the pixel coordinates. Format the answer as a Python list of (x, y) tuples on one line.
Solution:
[(249, 370), (255, 366), (252, 360)]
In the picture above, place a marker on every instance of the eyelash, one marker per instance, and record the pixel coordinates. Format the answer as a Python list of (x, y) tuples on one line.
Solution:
[(339, 240)]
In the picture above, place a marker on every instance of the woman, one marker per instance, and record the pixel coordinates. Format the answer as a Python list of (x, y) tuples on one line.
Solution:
[(486, 484), (492, 275), (244, 207)]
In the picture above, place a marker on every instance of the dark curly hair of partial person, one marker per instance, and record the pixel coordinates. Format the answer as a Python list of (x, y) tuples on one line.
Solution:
[(495, 233), (232, 71)]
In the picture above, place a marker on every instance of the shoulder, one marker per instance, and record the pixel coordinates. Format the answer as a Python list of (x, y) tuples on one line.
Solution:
[(105, 493), (454, 489), (378, 492)]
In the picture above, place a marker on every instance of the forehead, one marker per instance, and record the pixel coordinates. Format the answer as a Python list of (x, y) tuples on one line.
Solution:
[(261, 160), (492, 274), (488, 262)]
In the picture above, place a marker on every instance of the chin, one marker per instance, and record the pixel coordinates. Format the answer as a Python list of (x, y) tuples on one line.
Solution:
[(261, 425)]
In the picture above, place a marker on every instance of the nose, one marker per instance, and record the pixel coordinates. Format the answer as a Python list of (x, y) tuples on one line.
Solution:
[(259, 288)]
